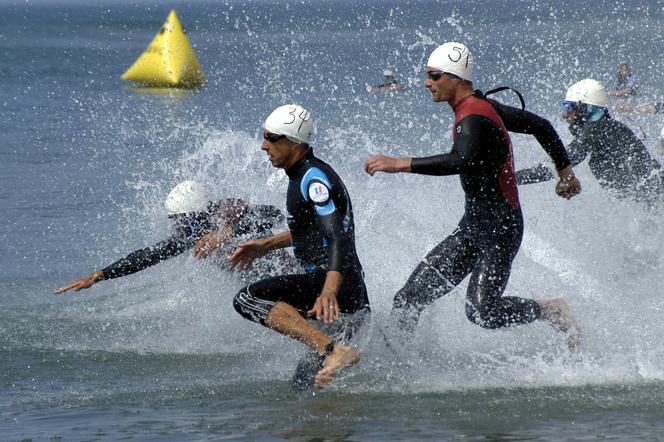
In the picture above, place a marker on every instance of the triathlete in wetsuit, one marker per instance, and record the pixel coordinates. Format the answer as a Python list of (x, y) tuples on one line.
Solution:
[(199, 224), (321, 230), (490, 232), (320, 221), (617, 158)]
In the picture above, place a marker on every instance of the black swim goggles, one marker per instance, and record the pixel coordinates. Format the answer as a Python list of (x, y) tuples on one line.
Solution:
[(436, 75), (272, 138), (184, 219)]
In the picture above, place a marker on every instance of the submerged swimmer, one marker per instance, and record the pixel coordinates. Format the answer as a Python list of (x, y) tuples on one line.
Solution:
[(322, 233), (198, 223), (490, 231), (390, 83)]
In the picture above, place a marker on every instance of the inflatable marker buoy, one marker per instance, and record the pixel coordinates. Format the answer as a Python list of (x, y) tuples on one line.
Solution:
[(168, 61)]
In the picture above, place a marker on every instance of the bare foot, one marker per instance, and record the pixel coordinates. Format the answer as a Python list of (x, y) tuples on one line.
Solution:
[(341, 357), (558, 313)]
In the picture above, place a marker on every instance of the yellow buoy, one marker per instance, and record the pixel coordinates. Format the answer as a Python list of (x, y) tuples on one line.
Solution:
[(168, 61)]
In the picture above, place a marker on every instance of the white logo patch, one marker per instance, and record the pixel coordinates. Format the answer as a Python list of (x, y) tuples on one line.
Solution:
[(318, 193)]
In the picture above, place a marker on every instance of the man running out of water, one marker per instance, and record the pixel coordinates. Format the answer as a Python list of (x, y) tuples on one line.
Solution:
[(616, 157), (198, 223), (490, 232), (322, 233)]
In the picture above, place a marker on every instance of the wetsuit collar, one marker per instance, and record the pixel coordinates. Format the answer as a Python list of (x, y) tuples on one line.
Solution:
[(456, 106), (294, 169)]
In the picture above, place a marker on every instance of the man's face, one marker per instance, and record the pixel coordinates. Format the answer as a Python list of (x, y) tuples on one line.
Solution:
[(623, 72), (570, 110), (279, 150), (441, 86), (569, 116)]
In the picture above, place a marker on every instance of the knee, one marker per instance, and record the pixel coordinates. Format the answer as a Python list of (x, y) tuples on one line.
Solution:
[(250, 307), (402, 300)]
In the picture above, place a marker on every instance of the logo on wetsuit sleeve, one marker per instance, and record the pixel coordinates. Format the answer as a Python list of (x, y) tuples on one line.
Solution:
[(318, 193)]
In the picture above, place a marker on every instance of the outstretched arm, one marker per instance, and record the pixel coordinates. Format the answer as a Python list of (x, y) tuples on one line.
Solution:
[(82, 283), (132, 263), (383, 163), (472, 134)]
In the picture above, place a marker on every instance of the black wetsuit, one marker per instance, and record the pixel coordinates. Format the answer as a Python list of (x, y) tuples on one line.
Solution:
[(490, 232), (618, 159), (320, 220), (245, 220)]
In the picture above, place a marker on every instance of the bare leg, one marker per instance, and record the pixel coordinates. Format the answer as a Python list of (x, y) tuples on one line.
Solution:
[(287, 320), (558, 313)]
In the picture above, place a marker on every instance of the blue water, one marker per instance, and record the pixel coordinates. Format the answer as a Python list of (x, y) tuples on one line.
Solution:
[(85, 162)]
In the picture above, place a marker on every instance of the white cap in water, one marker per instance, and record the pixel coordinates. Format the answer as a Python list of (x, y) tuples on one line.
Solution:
[(186, 197)]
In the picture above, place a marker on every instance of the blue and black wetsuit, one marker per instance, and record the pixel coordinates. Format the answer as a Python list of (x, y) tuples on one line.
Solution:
[(244, 218), (490, 232), (320, 220)]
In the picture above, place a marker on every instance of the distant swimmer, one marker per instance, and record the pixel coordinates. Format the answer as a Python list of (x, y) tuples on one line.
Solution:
[(390, 83), (490, 232), (198, 223), (617, 158), (626, 85), (321, 230)]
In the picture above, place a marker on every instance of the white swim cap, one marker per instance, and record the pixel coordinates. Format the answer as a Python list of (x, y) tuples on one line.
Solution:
[(186, 197), (588, 91), (291, 120), (453, 58), (388, 73)]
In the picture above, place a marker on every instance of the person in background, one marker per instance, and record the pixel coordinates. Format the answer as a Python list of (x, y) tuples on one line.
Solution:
[(198, 224), (322, 232), (490, 231), (617, 158), (626, 85), (390, 83)]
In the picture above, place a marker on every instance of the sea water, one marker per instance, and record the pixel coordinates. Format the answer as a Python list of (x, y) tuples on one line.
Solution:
[(85, 162)]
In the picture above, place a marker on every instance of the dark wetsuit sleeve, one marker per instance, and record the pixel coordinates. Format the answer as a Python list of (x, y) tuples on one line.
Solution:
[(535, 174), (332, 228), (144, 258), (524, 122), (258, 219), (578, 151), (472, 133)]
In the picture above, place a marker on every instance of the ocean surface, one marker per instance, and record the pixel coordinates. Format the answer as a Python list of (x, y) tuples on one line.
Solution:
[(86, 161)]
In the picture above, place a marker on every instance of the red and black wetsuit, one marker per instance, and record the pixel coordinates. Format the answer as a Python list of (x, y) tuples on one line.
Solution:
[(489, 234)]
